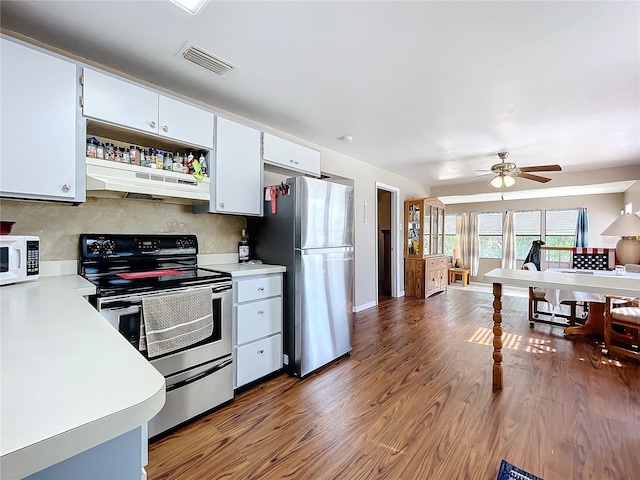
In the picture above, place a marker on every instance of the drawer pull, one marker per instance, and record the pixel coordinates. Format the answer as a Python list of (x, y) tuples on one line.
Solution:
[(261, 289), (261, 351), (260, 312)]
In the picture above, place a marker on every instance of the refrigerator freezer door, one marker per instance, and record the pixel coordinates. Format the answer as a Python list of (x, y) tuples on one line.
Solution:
[(325, 213), (324, 278)]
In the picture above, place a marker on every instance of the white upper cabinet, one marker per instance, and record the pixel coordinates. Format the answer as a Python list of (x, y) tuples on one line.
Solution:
[(237, 187), (42, 128), (189, 124), (306, 159), (119, 102), (116, 101), (283, 153)]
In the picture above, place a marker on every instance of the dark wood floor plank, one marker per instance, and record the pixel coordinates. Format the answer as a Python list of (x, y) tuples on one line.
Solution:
[(414, 400)]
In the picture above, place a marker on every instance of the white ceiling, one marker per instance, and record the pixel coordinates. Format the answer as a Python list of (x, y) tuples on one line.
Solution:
[(429, 90)]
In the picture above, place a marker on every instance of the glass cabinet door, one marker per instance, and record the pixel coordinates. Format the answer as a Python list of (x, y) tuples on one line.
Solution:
[(413, 230), (440, 231), (427, 230)]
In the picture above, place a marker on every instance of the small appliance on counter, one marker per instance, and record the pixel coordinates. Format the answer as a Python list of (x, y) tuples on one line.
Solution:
[(19, 258)]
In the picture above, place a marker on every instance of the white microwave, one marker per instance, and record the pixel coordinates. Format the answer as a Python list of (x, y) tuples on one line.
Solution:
[(19, 258)]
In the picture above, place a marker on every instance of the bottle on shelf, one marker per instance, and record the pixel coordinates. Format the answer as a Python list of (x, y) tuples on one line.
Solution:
[(243, 248), (203, 164)]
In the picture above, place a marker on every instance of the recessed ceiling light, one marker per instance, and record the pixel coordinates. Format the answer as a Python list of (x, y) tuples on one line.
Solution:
[(346, 138), (191, 6)]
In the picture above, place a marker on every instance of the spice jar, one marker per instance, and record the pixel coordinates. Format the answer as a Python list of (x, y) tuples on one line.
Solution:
[(159, 159), (168, 161), (92, 147), (100, 151), (109, 152)]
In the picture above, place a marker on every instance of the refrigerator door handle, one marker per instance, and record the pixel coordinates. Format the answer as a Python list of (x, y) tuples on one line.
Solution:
[(321, 251)]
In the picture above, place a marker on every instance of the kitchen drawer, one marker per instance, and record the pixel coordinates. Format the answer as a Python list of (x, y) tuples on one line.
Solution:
[(259, 319), (431, 264), (258, 359), (259, 288)]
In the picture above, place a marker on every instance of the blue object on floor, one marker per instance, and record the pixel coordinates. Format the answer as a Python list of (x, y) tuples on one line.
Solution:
[(509, 472)]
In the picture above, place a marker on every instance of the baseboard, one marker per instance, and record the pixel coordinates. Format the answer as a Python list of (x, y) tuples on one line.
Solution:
[(359, 308)]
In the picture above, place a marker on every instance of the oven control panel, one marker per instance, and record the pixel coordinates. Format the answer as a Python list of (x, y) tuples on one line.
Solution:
[(95, 246)]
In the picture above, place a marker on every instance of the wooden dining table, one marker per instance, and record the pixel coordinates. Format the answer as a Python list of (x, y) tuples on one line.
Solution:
[(627, 286)]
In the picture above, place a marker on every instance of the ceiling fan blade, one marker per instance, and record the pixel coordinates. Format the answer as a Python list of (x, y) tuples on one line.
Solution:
[(535, 178), (542, 168)]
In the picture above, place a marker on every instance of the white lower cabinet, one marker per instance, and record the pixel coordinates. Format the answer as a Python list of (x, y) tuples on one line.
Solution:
[(257, 327), (259, 358)]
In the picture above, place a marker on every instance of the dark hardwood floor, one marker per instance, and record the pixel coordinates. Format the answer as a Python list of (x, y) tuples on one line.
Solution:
[(414, 401)]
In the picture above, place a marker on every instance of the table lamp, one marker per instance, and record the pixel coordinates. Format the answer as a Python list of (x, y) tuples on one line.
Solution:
[(456, 258), (626, 226)]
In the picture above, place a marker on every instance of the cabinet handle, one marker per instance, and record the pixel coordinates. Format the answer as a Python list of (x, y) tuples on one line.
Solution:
[(221, 204), (66, 188), (292, 161), (297, 162), (261, 351), (261, 289), (152, 124), (260, 312), (165, 129)]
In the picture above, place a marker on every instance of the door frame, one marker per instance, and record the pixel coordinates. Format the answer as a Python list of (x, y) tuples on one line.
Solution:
[(396, 260)]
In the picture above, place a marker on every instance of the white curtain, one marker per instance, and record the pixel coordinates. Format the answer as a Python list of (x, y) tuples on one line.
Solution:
[(509, 242), (469, 242)]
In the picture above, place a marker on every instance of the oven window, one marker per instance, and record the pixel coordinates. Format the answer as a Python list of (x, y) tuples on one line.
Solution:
[(130, 328)]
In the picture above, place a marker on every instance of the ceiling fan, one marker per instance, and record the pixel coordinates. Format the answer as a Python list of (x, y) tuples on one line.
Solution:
[(505, 172)]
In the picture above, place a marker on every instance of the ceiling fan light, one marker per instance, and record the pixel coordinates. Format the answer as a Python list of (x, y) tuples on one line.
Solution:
[(509, 181), (497, 181)]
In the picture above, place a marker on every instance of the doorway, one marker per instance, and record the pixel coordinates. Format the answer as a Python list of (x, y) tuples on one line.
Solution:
[(387, 240)]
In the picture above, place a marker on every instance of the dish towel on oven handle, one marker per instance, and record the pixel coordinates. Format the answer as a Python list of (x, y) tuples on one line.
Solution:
[(172, 322)]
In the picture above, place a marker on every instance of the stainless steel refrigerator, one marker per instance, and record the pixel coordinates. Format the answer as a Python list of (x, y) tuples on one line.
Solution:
[(310, 231)]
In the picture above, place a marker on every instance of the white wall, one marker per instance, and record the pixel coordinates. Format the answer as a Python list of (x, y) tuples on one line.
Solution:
[(632, 196), (601, 209)]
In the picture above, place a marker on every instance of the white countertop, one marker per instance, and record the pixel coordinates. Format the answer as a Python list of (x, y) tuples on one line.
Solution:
[(244, 269), (69, 381), (628, 286)]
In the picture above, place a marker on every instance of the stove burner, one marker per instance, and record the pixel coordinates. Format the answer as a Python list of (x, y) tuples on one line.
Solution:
[(155, 273)]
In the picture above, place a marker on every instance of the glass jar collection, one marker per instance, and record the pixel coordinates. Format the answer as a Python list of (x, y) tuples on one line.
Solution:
[(148, 157)]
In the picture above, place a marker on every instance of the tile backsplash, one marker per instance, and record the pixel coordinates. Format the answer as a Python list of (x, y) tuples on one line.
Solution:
[(59, 225)]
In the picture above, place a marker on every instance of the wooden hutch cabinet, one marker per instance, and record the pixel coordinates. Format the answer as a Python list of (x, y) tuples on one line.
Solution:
[(425, 262)]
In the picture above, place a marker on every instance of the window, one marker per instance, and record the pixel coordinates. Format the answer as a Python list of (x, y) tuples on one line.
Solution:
[(490, 235), (560, 231), (527, 227), (449, 233), (560, 227)]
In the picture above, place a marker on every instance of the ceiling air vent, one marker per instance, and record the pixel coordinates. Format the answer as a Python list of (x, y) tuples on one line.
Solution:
[(206, 60)]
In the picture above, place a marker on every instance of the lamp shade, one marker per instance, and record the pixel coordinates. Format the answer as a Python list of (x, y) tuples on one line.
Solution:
[(497, 181), (626, 225), (456, 254), (509, 181)]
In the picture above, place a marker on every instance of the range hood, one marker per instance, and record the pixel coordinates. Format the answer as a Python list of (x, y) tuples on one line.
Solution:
[(109, 179)]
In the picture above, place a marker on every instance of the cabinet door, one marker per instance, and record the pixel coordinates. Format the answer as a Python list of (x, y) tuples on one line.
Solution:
[(258, 359), (184, 122), (237, 187), (278, 150), (259, 319), (115, 101), (40, 126), (307, 159)]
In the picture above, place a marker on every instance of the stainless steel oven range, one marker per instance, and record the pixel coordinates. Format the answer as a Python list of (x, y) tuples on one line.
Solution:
[(131, 271)]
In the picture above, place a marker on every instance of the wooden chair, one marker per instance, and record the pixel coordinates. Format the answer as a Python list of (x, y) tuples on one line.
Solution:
[(536, 296), (622, 326)]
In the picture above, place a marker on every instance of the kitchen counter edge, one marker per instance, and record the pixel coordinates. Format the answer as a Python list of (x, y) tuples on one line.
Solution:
[(31, 452)]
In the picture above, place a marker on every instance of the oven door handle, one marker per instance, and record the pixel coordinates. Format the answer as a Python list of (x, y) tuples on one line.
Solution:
[(199, 376)]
